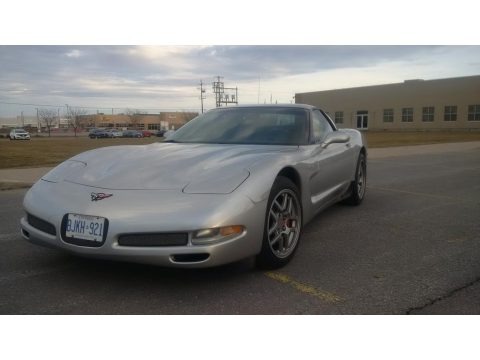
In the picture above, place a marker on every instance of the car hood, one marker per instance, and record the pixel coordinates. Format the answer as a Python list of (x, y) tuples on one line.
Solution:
[(193, 168)]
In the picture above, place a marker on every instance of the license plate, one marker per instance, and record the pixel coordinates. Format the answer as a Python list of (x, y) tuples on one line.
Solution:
[(85, 227)]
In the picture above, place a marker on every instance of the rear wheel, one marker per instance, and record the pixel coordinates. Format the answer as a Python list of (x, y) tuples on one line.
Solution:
[(283, 225), (359, 185)]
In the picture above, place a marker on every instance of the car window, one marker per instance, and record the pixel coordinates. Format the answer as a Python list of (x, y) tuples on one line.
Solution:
[(248, 125), (320, 126)]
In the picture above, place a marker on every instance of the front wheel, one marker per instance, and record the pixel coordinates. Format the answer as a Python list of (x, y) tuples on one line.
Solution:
[(283, 225)]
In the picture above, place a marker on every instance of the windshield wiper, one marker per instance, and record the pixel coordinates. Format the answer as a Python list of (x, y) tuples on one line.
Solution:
[(171, 141)]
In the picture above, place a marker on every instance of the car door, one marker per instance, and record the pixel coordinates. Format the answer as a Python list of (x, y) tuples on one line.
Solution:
[(331, 164)]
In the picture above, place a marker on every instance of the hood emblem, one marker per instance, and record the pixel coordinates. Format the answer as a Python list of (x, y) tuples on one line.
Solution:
[(99, 196)]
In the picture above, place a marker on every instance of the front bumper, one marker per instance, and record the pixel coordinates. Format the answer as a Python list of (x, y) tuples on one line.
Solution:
[(141, 211)]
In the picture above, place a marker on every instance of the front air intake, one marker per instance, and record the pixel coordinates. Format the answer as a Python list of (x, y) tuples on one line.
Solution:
[(190, 258), (155, 239), (41, 225)]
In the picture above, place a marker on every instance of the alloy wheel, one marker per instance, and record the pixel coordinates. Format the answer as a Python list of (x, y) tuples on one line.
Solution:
[(284, 223)]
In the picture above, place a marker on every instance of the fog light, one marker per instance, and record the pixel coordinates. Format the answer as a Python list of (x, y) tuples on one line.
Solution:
[(215, 235)]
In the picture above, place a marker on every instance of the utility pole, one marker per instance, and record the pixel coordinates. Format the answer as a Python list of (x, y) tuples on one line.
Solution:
[(38, 123), (202, 92), (23, 120), (220, 96)]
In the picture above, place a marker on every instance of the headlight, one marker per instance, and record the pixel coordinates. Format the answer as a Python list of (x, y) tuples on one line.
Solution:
[(215, 235)]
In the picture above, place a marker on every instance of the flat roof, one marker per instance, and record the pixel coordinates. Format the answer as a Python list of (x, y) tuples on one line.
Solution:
[(407, 82)]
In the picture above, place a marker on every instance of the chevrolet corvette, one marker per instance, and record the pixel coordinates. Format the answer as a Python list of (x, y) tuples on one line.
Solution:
[(233, 183)]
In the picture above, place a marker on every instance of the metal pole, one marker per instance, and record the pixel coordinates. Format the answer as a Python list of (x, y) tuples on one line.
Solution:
[(38, 122), (201, 93)]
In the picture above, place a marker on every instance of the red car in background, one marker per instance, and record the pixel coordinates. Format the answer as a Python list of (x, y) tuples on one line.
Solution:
[(146, 133)]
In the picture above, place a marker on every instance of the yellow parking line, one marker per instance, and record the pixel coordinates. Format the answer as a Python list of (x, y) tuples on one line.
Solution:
[(304, 288)]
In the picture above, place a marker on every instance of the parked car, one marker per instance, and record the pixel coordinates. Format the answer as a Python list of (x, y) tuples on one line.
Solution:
[(146, 133), (132, 134), (19, 134), (232, 183), (115, 133), (99, 133), (160, 132)]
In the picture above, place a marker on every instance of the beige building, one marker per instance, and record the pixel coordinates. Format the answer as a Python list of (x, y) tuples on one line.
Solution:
[(164, 120), (452, 103)]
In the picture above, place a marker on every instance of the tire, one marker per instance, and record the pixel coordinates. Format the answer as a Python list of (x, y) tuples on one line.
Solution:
[(283, 225), (358, 187)]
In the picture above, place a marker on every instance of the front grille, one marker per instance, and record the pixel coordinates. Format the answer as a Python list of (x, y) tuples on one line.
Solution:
[(41, 225), (155, 239)]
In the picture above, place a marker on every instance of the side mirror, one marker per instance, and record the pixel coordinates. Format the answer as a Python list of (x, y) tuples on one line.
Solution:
[(335, 138)]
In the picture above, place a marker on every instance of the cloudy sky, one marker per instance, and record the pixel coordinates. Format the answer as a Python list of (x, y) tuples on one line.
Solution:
[(154, 78)]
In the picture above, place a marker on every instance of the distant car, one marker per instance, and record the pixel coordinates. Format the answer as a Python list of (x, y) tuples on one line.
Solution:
[(146, 133), (132, 134), (99, 133), (115, 133), (160, 133), (19, 134)]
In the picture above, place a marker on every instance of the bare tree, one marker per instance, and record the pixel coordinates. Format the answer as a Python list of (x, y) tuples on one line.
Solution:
[(48, 117), (133, 116), (74, 116)]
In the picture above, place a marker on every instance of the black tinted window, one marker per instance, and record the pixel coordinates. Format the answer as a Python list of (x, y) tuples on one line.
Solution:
[(256, 125)]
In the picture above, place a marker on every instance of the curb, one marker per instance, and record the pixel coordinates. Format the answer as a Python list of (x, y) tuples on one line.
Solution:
[(13, 185)]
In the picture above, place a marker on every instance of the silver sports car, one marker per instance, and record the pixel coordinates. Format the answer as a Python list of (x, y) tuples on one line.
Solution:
[(230, 184)]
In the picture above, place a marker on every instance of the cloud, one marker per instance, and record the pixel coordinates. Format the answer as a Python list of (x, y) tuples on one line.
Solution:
[(73, 53), (167, 76)]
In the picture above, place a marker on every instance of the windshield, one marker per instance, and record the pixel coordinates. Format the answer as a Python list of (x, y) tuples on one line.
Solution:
[(255, 125)]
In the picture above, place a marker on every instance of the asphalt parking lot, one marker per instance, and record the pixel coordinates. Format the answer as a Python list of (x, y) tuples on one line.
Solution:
[(412, 247)]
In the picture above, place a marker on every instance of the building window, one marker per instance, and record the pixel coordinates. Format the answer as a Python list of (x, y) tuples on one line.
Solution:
[(407, 114), (153, 126), (428, 113), (473, 112), (338, 117), (387, 115), (450, 113)]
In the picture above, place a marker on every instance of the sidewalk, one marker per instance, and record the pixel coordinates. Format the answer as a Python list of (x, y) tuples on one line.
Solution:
[(17, 178)]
